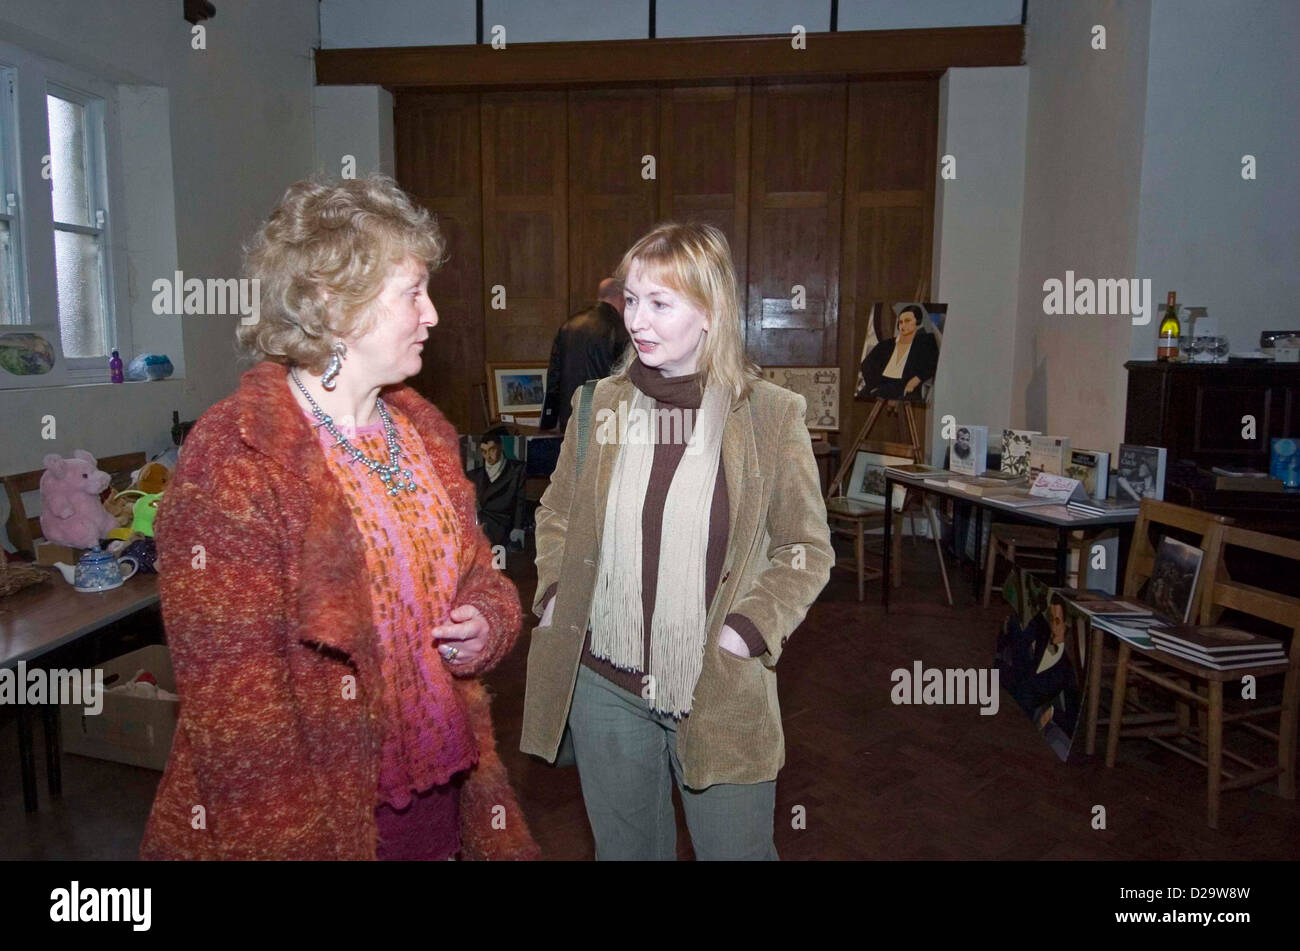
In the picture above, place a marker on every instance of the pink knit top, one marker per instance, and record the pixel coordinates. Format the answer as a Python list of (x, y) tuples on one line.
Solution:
[(411, 545)]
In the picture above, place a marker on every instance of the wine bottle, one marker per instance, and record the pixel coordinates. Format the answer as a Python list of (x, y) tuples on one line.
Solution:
[(1167, 340)]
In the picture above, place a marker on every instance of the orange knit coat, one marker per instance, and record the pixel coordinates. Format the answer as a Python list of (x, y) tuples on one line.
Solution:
[(266, 605)]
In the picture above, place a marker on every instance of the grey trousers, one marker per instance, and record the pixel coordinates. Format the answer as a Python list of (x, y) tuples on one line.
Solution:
[(627, 763)]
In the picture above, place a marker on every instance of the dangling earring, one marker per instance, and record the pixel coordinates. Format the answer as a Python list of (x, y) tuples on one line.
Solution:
[(329, 377)]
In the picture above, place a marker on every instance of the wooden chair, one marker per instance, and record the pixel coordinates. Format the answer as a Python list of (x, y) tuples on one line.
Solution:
[(854, 519), (1032, 544), (1222, 592), (1153, 514), (24, 529)]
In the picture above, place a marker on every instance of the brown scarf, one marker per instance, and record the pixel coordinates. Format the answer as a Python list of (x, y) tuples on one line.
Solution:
[(677, 627)]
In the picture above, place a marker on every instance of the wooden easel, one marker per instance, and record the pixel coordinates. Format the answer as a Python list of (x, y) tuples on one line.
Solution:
[(836, 487)]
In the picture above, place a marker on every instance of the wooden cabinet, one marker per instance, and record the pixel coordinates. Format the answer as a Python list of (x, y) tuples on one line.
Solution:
[(1201, 414)]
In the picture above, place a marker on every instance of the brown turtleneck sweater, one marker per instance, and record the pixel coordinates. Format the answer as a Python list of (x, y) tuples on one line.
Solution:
[(668, 392)]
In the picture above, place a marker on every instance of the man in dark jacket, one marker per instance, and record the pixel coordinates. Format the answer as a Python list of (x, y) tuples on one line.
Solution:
[(499, 486), (586, 348)]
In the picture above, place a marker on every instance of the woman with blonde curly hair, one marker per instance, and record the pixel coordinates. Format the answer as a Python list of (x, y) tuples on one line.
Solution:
[(673, 568), (328, 598)]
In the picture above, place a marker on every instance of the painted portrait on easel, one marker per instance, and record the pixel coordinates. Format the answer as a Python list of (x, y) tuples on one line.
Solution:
[(901, 352)]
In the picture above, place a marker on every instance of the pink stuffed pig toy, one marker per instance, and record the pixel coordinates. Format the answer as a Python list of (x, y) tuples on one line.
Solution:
[(71, 513)]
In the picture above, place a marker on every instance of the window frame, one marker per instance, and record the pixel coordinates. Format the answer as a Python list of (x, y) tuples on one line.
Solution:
[(34, 78)]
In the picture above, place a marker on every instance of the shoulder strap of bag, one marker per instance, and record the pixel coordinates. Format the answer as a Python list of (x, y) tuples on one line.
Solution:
[(584, 420)]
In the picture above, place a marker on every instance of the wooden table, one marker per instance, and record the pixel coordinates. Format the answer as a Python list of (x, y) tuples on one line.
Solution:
[(42, 619), (1028, 514)]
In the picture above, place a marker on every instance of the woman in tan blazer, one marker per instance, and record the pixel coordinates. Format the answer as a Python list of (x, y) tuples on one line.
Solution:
[(673, 568)]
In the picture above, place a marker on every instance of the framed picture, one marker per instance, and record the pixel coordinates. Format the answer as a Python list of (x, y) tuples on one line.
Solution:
[(32, 357), (901, 352), (867, 483), (819, 386), (517, 388)]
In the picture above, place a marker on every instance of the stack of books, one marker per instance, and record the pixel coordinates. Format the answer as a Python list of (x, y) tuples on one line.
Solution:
[(1219, 648), (1126, 620), (1105, 507)]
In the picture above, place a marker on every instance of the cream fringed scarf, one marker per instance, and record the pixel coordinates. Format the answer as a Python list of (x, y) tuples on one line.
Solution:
[(677, 626)]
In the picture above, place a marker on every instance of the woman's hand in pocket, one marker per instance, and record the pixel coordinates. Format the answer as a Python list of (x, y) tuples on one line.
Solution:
[(731, 642)]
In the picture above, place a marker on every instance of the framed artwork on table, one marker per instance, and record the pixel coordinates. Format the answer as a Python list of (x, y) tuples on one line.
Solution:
[(867, 482), (517, 388)]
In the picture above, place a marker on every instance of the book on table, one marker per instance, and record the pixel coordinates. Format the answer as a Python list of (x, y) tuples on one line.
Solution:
[(968, 453), (1015, 450), (982, 485), (915, 469), (1016, 499), (1140, 473), (1107, 507), (1050, 454), (1092, 468)]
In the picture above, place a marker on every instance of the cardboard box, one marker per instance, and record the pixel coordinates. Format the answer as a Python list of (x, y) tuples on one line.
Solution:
[(133, 730), (48, 553)]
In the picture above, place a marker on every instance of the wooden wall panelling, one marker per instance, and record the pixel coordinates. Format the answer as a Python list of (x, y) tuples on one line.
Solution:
[(610, 204), (888, 221), (525, 221), (797, 184), (437, 155), (704, 165)]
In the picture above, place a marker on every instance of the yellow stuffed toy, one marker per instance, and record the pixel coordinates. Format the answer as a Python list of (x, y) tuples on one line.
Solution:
[(149, 480)]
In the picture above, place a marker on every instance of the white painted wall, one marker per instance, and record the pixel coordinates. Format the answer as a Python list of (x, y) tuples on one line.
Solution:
[(921, 14), (239, 125), (982, 125), (1082, 173), (368, 23), (361, 23), (1222, 84), (355, 121)]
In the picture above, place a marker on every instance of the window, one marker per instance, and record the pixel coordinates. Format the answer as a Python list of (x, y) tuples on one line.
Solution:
[(56, 261), (77, 197), (12, 301)]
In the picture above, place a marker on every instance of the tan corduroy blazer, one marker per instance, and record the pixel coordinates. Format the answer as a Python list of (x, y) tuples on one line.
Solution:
[(778, 559)]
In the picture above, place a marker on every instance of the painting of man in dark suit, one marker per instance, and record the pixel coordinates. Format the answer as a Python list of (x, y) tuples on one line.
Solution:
[(499, 486), (1035, 667), (899, 362)]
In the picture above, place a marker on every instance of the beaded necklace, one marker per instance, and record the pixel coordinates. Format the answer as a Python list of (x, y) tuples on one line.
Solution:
[(394, 477)]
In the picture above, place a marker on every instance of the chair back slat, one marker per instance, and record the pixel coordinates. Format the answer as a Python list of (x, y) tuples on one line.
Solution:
[(1142, 554), (1223, 592), (22, 528)]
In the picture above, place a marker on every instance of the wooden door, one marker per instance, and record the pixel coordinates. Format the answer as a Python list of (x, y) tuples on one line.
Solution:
[(797, 184), (704, 165), (436, 137), (525, 279), (613, 160), (888, 221)]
